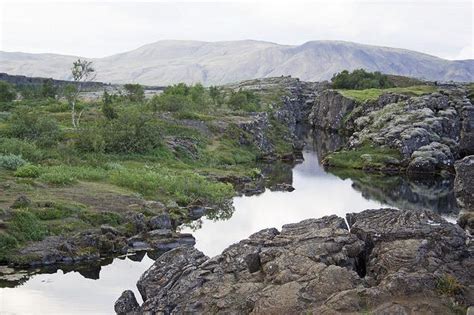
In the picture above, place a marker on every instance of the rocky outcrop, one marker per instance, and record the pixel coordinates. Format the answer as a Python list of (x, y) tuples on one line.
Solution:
[(329, 110), (430, 131), (389, 261), (464, 183)]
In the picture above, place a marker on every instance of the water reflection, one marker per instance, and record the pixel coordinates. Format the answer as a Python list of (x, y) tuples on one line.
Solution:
[(319, 193), (73, 290)]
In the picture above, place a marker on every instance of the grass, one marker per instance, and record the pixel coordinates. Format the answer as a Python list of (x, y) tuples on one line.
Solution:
[(373, 94), (448, 285), (365, 157), (184, 186)]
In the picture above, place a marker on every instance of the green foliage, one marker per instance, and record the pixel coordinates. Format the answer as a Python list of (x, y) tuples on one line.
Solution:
[(11, 162), (28, 170), (364, 157), (170, 103), (90, 139), (245, 101), (185, 186), (7, 92), (216, 95), (99, 218), (66, 175), (374, 94), (134, 92), (360, 79), (48, 90), (25, 226), (131, 132), (26, 149), (28, 125), (7, 244), (107, 106)]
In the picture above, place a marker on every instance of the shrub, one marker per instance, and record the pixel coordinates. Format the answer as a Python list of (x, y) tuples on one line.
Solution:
[(107, 106), (244, 100), (11, 162), (170, 103), (7, 92), (90, 140), (29, 126), (131, 132), (134, 92), (28, 170), (360, 79)]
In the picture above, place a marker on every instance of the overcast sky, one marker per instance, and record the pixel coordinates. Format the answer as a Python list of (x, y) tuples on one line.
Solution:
[(96, 29)]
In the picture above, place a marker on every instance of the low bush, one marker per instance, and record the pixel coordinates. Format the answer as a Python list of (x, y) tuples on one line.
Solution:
[(28, 170), (11, 162), (27, 125)]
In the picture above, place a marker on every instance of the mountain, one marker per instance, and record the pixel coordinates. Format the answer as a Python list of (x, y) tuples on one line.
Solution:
[(172, 61)]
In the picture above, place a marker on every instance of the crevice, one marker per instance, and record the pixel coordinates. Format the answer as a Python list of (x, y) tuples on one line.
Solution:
[(361, 261)]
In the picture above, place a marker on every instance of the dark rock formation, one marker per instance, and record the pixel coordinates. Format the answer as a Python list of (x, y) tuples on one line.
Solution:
[(464, 183), (126, 304), (329, 110), (390, 261)]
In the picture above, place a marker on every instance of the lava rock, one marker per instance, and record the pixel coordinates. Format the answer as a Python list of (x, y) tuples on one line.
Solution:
[(126, 304)]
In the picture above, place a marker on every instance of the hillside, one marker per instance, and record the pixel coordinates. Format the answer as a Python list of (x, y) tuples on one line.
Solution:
[(166, 62)]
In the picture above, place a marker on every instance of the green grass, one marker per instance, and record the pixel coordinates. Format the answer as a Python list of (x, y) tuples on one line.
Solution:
[(66, 175), (373, 94), (183, 186), (364, 157)]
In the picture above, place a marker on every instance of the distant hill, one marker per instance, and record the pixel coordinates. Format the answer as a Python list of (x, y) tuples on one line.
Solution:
[(166, 62)]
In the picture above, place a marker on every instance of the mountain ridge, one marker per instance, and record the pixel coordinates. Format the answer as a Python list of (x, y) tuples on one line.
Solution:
[(171, 61)]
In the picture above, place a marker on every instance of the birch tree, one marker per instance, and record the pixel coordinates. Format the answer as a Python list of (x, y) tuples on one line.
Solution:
[(82, 72)]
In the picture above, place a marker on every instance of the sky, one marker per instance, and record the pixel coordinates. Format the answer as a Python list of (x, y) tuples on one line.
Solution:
[(98, 29)]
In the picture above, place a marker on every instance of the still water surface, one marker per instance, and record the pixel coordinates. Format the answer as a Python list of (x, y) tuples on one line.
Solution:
[(317, 193)]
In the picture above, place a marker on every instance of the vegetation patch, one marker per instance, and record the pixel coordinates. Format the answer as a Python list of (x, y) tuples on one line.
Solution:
[(366, 156), (373, 94)]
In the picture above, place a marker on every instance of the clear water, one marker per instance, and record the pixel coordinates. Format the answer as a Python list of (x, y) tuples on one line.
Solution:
[(317, 193)]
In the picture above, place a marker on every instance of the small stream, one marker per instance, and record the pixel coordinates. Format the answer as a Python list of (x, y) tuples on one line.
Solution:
[(93, 289)]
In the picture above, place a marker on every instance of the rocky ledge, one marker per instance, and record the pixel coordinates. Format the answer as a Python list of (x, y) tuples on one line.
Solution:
[(386, 261)]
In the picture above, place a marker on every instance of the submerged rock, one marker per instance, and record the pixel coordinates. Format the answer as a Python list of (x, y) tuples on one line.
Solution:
[(390, 261)]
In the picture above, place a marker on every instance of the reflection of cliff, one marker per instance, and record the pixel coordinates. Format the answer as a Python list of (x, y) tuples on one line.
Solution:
[(435, 194)]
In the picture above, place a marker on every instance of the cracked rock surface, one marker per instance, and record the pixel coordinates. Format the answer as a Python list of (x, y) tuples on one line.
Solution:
[(390, 261)]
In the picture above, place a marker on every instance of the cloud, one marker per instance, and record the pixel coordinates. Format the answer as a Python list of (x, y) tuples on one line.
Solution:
[(96, 29)]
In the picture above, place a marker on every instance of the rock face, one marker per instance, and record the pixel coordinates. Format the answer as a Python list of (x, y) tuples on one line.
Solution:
[(464, 183), (329, 110), (389, 262), (430, 131)]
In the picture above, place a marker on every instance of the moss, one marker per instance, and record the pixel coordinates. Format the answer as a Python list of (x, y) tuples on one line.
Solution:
[(99, 218), (365, 157), (373, 94)]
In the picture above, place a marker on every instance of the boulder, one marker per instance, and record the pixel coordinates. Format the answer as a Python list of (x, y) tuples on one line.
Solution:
[(126, 304)]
